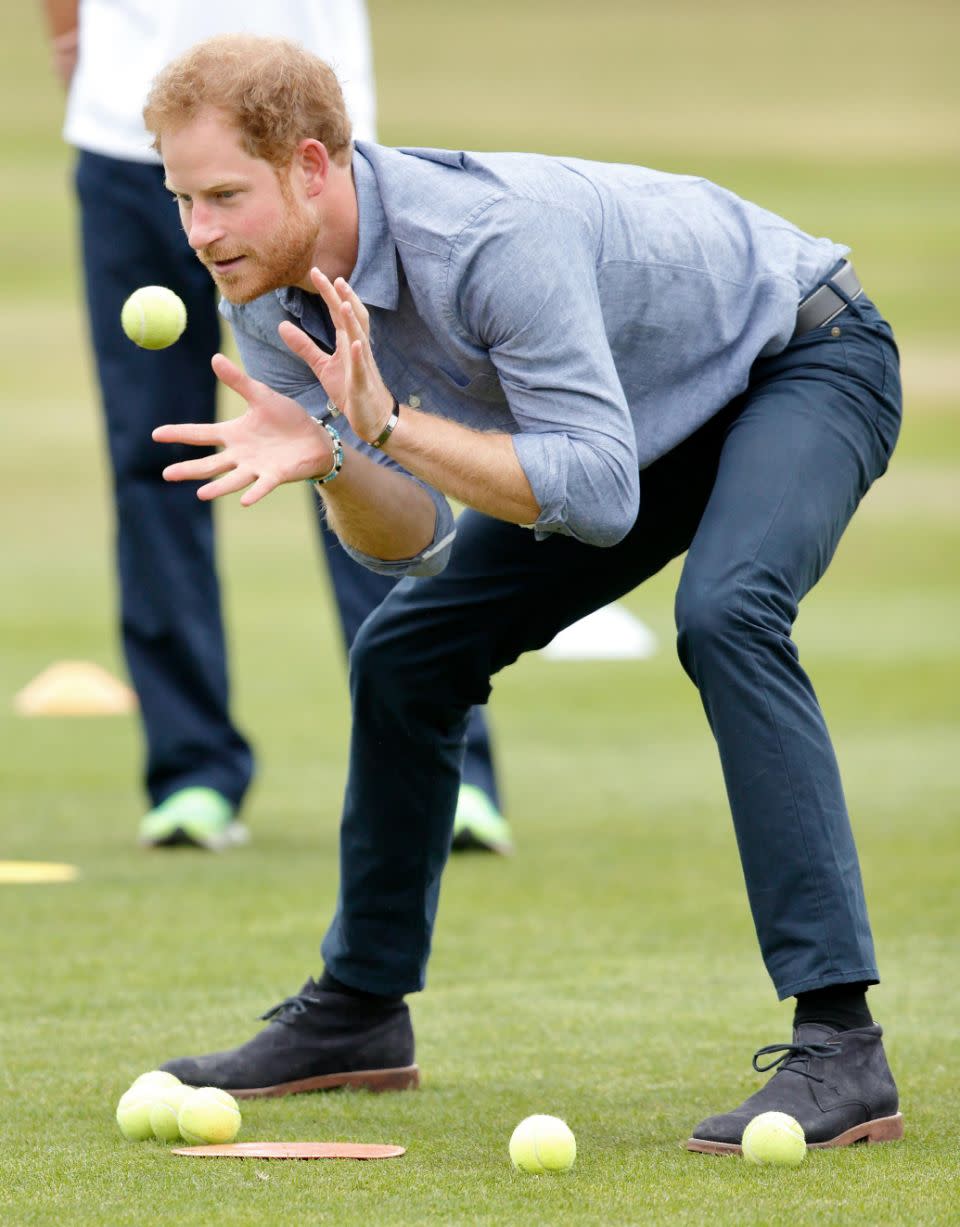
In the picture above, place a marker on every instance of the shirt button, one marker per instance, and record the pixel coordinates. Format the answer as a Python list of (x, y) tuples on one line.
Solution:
[(834, 332), (413, 400)]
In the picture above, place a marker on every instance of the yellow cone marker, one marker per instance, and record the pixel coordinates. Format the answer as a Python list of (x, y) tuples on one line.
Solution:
[(75, 688), (36, 871)]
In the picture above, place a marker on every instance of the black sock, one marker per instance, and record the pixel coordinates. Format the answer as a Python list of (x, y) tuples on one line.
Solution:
[(843, 1006), (330, 984)]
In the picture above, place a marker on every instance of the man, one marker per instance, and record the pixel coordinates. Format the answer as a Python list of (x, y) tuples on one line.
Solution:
[(629, 364), (199, 765)]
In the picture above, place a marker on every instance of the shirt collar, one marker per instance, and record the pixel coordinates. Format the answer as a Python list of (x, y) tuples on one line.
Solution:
[(374, 278)]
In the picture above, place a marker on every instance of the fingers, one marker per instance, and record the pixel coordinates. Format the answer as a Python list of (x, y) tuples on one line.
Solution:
[(198, 434), (230, 483), (345, 290), (359, 375), (338, 293), (325, 289), (236, 379), (233, 479), (198, 470), (353, 328), (297, 341), (362, 372), (260, 489)]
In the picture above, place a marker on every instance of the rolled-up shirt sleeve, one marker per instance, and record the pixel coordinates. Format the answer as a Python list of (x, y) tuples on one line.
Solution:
[(266, 358), (434, 556), (523, 285)]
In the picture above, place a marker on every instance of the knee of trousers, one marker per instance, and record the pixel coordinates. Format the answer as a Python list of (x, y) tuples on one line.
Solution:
[(402, 658), (720, 619)]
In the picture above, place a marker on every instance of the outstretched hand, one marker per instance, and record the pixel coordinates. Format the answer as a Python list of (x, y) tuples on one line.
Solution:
[(272, 443), (349, 375)]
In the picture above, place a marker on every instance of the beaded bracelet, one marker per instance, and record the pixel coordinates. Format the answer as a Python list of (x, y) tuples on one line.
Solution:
[(337, 455)]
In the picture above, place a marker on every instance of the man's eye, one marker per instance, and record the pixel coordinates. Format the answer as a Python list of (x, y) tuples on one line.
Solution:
[(225, 195), (179, 199)]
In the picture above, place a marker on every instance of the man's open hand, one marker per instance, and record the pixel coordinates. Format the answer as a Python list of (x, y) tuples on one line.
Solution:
[(350, 376), (272, 443)]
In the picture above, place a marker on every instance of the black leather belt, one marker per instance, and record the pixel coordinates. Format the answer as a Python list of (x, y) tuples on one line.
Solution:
[(824, 303)]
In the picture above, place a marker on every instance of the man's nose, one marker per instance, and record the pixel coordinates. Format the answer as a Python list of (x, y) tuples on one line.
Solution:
[(204, 228)]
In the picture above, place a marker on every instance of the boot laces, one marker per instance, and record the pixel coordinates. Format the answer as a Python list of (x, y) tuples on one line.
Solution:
[(794, 1057), (290, 1008)]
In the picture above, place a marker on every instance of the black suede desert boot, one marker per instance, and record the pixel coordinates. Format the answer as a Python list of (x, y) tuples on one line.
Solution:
[(316, 1041), (837, 1084)]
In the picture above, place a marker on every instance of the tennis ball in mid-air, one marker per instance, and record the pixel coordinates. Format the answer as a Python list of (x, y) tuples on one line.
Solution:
[(543, 1144), (165, 1102), (208, 1115), (153, 317), (774, 1138)]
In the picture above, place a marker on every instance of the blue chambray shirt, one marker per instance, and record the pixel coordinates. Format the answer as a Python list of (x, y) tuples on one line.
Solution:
[(597, 313)]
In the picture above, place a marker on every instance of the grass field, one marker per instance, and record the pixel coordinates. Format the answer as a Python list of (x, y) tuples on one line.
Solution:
[(608, 973)]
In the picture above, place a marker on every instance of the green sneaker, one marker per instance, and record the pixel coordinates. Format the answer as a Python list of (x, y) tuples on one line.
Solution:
[(479, 824), (202, 817)]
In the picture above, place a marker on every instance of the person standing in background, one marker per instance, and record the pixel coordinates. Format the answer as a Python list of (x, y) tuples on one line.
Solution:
[(199, 765)]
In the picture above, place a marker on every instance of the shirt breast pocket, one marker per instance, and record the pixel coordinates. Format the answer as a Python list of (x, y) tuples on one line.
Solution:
[(483, 387)]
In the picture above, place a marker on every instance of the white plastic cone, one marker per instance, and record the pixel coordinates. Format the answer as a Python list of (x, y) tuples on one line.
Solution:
[(611, 633)]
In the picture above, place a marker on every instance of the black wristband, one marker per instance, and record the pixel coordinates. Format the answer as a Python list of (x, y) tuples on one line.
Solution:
[(390, 427)]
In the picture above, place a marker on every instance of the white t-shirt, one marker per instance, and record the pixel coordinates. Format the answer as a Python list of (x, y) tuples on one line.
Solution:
[(125, 43)]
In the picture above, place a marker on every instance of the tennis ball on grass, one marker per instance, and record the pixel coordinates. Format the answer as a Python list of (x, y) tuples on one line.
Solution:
[(543, 1144), (166, 1099), (775, 1139), (133, 1114), (158, 1076), (136, 1104), (209, 1115), (153, 317)]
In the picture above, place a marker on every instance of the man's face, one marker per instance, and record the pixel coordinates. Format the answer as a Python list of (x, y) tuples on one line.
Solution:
[(241, 216)]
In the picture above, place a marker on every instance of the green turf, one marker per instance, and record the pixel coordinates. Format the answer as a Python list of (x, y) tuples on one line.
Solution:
[(607, 973)]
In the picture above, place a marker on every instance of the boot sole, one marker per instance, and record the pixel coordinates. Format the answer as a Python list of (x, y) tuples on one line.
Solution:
[(884, 1129), (406, 1078)]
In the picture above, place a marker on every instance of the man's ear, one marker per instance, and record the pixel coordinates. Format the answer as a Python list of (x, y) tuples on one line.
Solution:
[(312, 162)]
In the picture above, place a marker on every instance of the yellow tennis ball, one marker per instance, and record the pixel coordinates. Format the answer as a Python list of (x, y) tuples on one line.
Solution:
[(158, 1076), (133, 1114), (153, 317), (165, 1102), (209, 1115), (776, 1139), (136, 1103), (543, 1144)]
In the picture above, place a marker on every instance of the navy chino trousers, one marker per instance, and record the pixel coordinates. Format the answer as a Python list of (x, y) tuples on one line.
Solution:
[(758, 498), (169, 592)]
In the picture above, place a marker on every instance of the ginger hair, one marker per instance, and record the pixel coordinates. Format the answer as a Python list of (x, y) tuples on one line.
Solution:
[(273, 91)]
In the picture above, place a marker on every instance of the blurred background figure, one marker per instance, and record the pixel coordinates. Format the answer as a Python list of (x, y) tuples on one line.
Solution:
[(199, 765)]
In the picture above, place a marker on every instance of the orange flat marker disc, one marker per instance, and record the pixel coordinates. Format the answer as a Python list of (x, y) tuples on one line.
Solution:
[(293, 1150)]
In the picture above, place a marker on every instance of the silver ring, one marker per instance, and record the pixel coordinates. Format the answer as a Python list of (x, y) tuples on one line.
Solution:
[(332, 409)]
